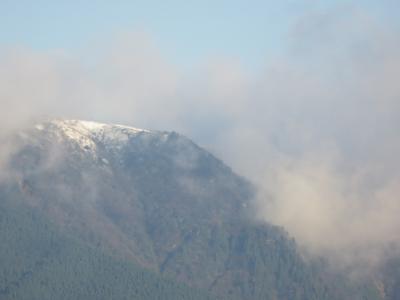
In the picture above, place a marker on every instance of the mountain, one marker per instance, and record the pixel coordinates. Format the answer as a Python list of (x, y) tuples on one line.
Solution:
[(92, 210)]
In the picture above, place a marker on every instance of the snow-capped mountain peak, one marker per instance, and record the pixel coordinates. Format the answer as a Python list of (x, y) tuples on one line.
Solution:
[(87, 134)]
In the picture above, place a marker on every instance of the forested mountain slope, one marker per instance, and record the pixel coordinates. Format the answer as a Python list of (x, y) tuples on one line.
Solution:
[(87, 207), (37, 261)]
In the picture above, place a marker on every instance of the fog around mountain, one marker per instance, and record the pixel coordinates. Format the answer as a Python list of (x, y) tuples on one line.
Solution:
[(314, 129)]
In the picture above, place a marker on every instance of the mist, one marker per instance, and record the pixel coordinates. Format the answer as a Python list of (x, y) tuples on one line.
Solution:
[(316, 129)]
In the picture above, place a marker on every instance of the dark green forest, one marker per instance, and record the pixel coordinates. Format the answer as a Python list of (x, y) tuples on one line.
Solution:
[(38, 262), (157, 217)]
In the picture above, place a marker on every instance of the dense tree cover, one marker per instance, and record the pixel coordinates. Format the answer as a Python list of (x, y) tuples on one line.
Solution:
[(37, 262), (85, 222)]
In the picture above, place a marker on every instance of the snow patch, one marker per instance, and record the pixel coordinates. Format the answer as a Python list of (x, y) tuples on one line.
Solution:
[(87, 135)]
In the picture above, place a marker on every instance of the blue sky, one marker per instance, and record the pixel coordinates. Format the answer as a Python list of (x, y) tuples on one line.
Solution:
[(187, 32)]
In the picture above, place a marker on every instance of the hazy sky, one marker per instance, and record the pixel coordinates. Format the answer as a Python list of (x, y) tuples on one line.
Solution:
[(187, 32), (302, 97)]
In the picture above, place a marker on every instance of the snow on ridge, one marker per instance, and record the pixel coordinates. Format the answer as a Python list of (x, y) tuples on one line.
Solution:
[(86, 134), (95, 126)]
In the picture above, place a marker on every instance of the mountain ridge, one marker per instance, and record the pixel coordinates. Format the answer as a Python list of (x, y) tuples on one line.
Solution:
[(158, 200)]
